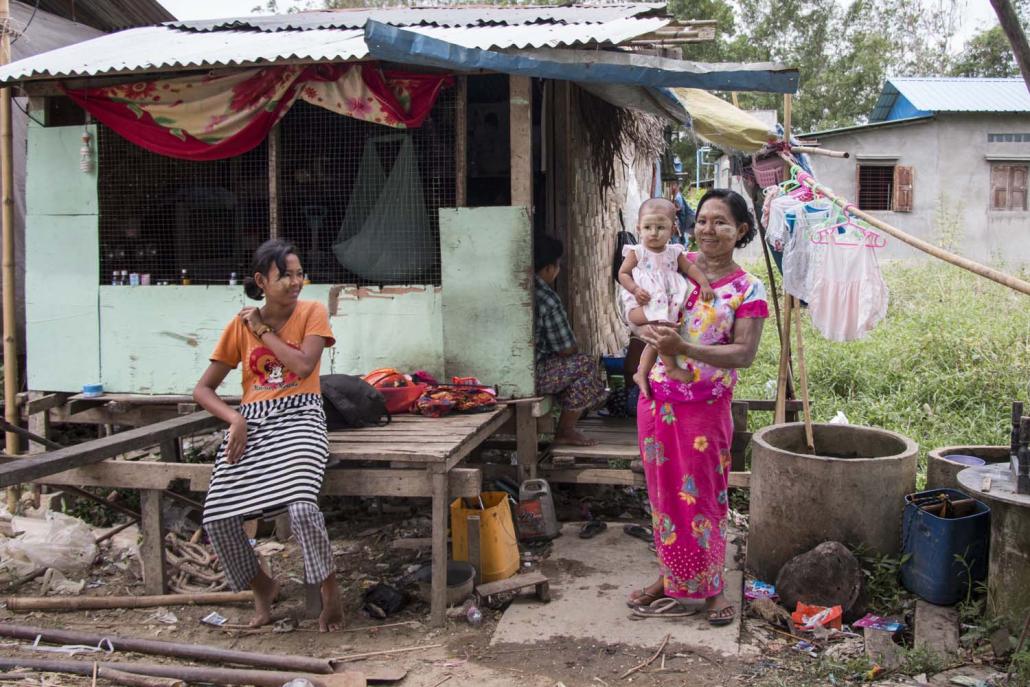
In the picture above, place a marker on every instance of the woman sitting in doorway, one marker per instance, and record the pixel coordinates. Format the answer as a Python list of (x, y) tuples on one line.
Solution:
[(561, 369), (685, 429)]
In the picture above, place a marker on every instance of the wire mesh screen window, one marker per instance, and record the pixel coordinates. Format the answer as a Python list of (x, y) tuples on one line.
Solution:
[(359, 200), (875, 187), (160, 215)]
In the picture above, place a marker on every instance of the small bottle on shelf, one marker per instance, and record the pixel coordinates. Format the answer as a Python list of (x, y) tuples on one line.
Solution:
[(232, 279), (124, 278), (116, 278), (185, 278)]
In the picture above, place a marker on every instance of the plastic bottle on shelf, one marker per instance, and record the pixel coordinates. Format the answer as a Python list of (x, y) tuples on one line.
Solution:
[(124, 278), (185, 278), (232, 279), (134, 279), (116, 278)]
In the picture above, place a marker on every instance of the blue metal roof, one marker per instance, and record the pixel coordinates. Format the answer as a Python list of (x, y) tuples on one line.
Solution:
[(916, 96)]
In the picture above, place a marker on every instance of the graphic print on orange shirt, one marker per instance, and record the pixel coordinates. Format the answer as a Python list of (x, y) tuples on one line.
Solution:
[(270, 372)]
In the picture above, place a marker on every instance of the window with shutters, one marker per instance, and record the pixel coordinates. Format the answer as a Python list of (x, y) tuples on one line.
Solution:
[(885, 187), (1008, 186)]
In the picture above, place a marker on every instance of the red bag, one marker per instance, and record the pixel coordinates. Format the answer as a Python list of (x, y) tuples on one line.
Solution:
[(398, 389)]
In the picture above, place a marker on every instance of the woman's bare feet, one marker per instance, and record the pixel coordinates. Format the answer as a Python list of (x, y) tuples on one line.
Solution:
[(265, 590), (573, 437), (331, 617), (720, 611)]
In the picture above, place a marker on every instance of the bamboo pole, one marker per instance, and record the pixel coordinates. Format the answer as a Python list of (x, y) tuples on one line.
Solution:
[(780, 412), (7, 222), (820, 151), (1013, 283), (198, 652), (205, 674), (93, 669), (803, 375), (93, 603)]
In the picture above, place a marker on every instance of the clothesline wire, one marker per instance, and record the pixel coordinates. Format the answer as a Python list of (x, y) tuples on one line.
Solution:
[(1008, 280)]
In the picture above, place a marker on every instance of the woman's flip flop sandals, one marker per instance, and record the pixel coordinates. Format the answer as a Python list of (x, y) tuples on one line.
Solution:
[(640, 532), (723, 616), (642, 597), (665, 607), (592, 528)]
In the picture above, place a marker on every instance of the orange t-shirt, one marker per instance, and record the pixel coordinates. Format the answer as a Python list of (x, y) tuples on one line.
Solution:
[(264, 375)]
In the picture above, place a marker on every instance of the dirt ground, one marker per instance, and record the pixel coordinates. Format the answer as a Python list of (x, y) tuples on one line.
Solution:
[(458, 654)]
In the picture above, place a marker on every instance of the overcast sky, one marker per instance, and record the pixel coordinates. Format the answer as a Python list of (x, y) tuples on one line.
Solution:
[(977, 12)]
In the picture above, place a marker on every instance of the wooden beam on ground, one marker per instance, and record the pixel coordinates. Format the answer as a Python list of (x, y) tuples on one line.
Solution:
[(936, 629), (53, 462), (145, 474)]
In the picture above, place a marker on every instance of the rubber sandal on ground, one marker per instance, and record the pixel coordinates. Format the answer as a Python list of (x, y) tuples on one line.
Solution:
[(644, 598), (724, 616), (592, 529), (665, 607), (640, 532)]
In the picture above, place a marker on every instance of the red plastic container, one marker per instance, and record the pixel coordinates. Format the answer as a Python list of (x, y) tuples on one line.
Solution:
[(399, 399)]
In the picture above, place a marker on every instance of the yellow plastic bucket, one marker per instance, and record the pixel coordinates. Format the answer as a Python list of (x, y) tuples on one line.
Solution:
[(498, 546)]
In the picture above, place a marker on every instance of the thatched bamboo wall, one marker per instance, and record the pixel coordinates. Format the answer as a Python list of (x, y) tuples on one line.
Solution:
[(593, 225)]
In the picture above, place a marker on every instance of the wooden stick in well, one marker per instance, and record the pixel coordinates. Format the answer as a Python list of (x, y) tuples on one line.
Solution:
[(803, 374)]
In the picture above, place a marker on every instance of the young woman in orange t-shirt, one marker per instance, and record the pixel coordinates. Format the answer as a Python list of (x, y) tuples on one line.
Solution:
[(273, 457)]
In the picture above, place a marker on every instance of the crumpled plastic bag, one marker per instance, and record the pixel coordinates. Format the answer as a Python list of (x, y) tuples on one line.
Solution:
[(60, 541), (55, 582)]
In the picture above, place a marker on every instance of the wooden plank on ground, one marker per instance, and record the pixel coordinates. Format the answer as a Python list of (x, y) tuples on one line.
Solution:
[(52, 462), (881, 649), (936, 629), (122, 474), (516, 582)]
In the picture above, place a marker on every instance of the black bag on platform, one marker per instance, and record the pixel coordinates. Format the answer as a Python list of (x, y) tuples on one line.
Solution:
[(351, 402)]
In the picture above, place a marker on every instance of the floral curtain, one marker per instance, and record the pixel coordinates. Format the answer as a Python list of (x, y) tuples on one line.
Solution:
[(226, 114)]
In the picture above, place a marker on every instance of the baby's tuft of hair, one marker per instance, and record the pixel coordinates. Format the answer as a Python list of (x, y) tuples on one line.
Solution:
[(662, 206)]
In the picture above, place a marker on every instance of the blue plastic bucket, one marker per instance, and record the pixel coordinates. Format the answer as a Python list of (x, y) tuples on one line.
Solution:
[(934, 545)]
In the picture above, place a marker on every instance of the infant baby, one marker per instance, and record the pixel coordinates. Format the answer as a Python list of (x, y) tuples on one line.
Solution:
[(654, 289)]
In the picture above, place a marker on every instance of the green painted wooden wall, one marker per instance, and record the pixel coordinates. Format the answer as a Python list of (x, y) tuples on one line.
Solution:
[(62, 263), (487, 259)]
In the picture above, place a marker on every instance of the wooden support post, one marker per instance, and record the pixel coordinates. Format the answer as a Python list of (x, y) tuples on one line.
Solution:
[(475, 555), (521, 109), (39, 424), (438, 607), (780, 414), (10, 322), (803, 375), (461, 131), (170, 450), (152, 550), (525, 441), (273, 183), (788, 103)]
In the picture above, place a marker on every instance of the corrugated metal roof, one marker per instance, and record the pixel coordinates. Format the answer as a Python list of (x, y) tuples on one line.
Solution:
[(159, 48), (427, 16), (957, 94), (109, 16), (163, 48)]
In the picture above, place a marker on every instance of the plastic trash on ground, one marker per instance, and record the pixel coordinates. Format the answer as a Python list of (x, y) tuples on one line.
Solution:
[(59, 541), (756, 589), (839, 419), (807, 617), (876, 622)]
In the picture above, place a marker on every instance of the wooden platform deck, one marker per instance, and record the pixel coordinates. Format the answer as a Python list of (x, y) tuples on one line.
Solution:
[(607, 462)]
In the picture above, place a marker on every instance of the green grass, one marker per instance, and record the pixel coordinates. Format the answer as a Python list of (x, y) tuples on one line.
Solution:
[(943, 367)]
